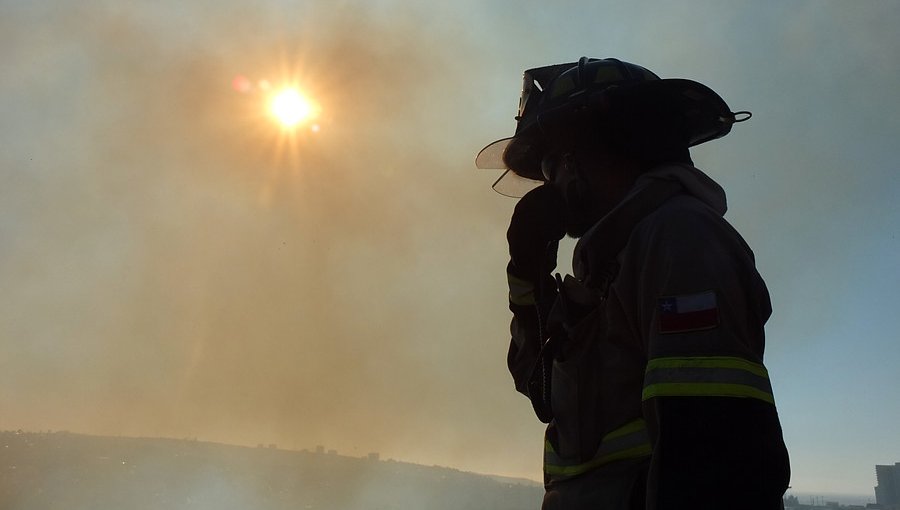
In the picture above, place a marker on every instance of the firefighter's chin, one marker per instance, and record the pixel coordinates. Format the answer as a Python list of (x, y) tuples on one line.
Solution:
[(581, 213)]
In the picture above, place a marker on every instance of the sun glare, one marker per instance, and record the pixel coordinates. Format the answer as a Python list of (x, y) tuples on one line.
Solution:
[(291, 107)]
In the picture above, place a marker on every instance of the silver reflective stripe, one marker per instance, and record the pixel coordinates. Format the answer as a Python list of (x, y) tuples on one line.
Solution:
[(720, 376), (521, 292), (627, 442)]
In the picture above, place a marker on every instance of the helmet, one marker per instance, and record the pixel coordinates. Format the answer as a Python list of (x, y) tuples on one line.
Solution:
[(631, 107)]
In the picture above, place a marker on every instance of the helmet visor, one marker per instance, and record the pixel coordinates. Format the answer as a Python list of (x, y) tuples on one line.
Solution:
[(509, 184), (491, 157), (513, 185)]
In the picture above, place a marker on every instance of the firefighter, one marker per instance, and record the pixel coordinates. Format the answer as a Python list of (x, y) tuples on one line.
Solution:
[(647, 362)]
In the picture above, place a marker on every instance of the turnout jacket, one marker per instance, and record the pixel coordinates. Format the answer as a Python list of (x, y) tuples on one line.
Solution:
[(653, 351)]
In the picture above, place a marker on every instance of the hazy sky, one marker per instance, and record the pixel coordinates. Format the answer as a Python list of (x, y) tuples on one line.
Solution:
[(175, 265)]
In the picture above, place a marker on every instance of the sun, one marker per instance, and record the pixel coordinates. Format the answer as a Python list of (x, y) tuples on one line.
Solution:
[(291, 107)]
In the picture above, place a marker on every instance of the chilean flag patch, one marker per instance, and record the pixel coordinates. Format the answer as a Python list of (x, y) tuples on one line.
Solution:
[(688, 312)]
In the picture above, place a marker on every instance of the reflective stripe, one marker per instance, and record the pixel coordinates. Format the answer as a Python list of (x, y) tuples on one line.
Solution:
[(627, 442), (708, 362), (521, 292), (707, 377)]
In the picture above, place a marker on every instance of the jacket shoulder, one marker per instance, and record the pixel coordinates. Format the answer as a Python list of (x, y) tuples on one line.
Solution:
[(686, 221)]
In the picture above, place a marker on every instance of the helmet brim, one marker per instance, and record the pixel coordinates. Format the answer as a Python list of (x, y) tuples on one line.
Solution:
[(704, 114)]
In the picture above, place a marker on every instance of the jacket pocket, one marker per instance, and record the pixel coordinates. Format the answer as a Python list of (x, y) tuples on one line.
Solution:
[(574, 392), (564, 395)]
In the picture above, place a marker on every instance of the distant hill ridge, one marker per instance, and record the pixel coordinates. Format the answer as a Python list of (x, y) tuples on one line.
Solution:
[(61, 470)]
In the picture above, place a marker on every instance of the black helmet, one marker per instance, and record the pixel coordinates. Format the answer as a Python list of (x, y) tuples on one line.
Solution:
[(635, 109)]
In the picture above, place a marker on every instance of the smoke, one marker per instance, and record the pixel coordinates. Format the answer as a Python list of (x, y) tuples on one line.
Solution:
[(177, 267), (172, 265)]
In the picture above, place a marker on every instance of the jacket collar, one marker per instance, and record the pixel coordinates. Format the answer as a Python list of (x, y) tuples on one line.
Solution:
[(595, 253)]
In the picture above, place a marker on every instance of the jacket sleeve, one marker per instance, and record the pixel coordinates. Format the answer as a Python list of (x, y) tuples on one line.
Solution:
[(707, 398), (530, 302)]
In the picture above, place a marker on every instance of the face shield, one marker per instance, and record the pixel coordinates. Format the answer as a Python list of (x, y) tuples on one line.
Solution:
[(493, 156), (509, 183)]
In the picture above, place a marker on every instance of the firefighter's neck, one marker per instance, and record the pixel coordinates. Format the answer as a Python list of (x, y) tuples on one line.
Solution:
[(608, 177)]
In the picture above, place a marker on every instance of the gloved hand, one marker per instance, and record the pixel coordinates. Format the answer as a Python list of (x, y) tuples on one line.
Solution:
[(537, 225)]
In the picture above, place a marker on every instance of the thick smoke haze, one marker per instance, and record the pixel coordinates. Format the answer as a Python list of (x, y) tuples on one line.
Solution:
[(174, 265), (179, 269)]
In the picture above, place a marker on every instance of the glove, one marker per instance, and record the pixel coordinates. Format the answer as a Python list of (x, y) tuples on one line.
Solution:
[(537, 225)]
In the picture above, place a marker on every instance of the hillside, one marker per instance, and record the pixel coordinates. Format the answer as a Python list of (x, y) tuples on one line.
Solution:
[(47, 471)]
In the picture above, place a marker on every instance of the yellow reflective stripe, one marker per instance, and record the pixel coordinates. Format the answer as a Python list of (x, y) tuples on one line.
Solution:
[(628, 428), (709, 362), (635, 426), (521, 292), (629, 441), (706, 376), (569, 471), (705, 390)]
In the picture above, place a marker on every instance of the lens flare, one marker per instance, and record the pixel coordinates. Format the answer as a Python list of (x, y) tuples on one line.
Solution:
[(241, 84), (291, 107)]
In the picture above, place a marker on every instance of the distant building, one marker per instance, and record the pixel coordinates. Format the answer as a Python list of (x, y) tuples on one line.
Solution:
[(887, 492), (791, 501)]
